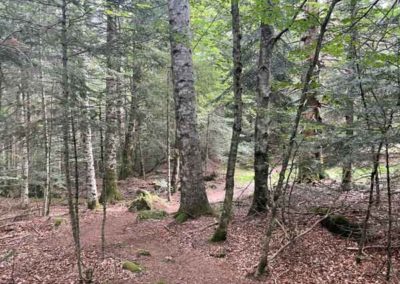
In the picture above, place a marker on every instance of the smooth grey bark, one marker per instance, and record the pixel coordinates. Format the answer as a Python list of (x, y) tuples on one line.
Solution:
[(91, 186), (261, 160), (194, 200), (111, 192), (23, 117), (221, 231), (263, 262)]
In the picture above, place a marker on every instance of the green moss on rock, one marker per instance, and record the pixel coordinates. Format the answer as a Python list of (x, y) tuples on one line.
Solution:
[(132, 266), (152, 215)]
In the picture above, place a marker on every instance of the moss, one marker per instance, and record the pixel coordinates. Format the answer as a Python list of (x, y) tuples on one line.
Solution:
[(111, 187), (143, 252), (132, 266), (58, 222), (152, 215), (181, 217), (161, 282), (92, 205), (219, 236)]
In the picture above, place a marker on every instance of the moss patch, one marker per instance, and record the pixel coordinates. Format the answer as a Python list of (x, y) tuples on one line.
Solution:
[(58, 222), (152, 215), (219, 236), (143, 252), (181, 217), (132, 266)]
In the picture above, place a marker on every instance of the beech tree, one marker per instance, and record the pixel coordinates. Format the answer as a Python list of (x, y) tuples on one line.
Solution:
[(194, 200)]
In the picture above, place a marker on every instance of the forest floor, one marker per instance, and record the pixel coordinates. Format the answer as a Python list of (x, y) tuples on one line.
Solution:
[(37, 249)]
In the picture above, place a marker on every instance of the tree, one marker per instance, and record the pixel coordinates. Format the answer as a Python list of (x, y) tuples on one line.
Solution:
[(111, 192), (194, 200), (221, 231), (261, 159)]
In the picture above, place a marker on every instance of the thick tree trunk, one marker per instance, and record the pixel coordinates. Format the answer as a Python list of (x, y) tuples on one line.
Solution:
[(111, 136), (261, 160), (194, 200), (221, 232), (91, 186)]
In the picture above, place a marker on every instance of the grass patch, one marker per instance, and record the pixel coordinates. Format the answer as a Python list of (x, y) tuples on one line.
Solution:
[(243, 176)]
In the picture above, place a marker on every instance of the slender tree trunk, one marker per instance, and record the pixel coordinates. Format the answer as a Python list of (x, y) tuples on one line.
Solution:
[(349, 106), (111, 137), (206, 150), (175, 179), (130, 143), (46, 192), (310, 162), (66, 134), (141, 156), (390, 221), (263, 263), (261, 160), (91, 186), (167, 101), (221, 232), (24, 120), (194, 200)]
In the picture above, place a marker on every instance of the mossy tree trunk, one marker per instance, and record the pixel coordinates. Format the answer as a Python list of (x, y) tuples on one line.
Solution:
[(194, 200), (111, 191), (221, 232)]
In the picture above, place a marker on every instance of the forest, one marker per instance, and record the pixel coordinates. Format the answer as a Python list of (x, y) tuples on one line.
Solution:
[(199, 141)]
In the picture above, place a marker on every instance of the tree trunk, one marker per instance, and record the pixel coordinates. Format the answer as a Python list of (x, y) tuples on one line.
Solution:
[(24, 120), (263, 263), (130, 142), (66, 134), (261, 160), (221, 232), (310, 162), (349, 106), (111, 136), (91, 186), (194, 200)]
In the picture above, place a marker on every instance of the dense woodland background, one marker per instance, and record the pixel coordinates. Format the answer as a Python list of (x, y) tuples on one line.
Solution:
[(252, 140)]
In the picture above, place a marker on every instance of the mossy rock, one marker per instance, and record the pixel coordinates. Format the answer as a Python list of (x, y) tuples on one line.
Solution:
[(58, 222), (143, 252), (218, 236), (132, 266), (340, 225), (146, 201), (152, 215)]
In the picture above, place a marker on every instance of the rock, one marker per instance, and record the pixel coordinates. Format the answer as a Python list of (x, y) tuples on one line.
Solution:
[(143, 252), (152, 215), (132, 266), (139, 204), (169, 259)]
